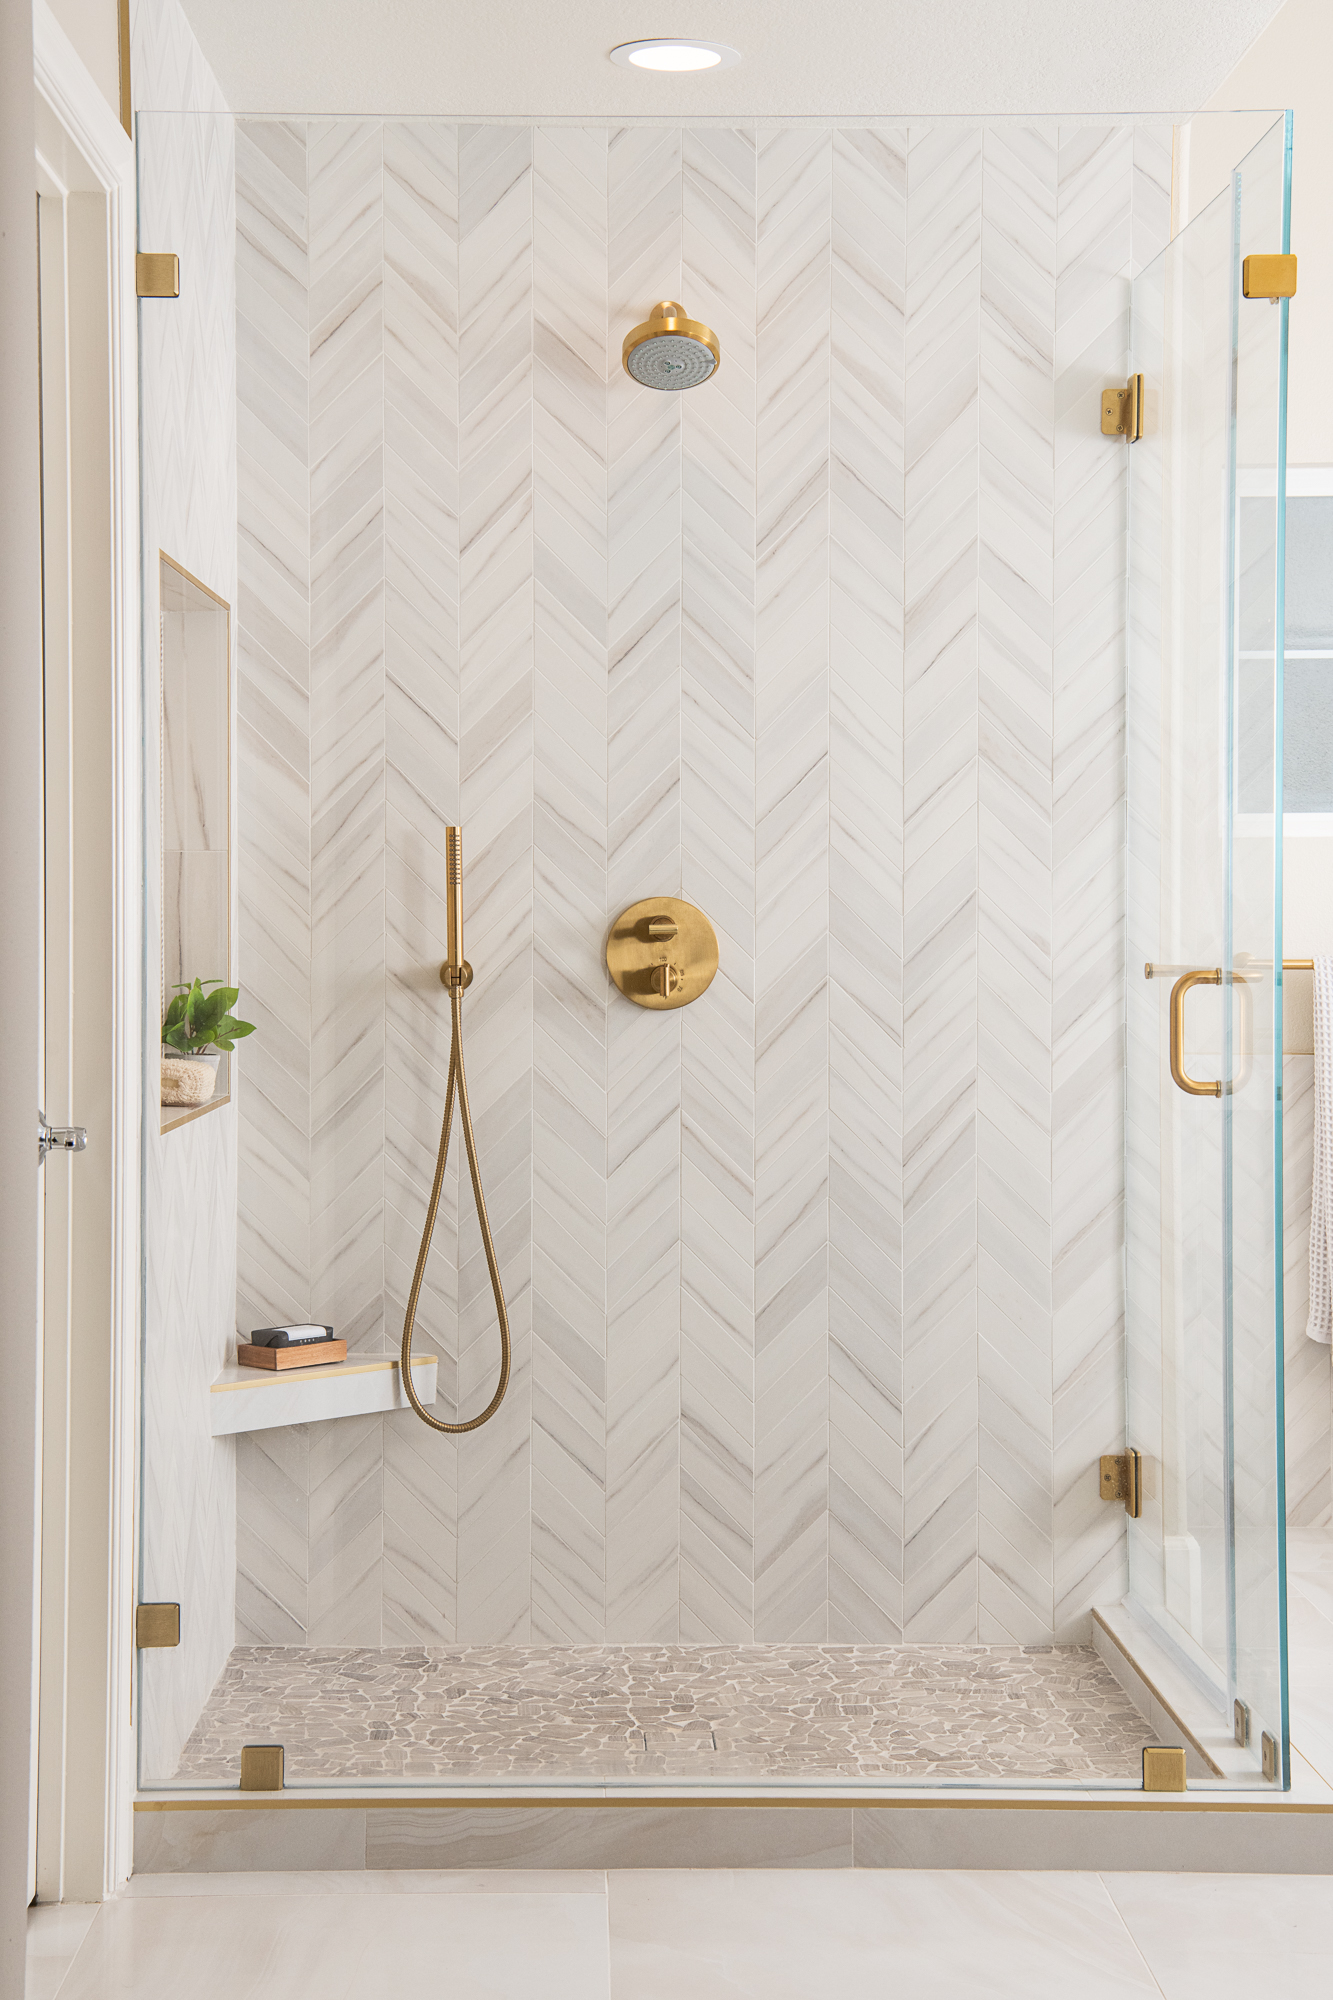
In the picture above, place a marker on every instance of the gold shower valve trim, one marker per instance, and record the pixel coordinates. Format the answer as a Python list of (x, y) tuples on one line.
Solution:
[(662, 953)]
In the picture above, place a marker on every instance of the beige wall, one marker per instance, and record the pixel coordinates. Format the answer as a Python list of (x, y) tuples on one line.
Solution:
[(94, 28), (20, 926)]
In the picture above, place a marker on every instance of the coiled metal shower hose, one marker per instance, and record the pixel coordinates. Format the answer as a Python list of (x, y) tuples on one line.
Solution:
[(457, 1083)]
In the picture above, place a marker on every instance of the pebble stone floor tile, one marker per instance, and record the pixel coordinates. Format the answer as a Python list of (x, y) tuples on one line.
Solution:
[(893, 1713)]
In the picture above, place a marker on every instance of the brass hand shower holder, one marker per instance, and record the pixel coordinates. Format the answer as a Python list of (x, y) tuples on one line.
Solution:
[(456, 976)]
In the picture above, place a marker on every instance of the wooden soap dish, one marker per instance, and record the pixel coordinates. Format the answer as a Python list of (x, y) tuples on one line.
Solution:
[(291, 1357)]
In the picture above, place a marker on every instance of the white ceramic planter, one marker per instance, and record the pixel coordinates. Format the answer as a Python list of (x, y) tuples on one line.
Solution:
[(188, 1081)]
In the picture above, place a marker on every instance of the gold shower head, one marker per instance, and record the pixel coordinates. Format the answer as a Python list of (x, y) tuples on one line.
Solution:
[(669, 351)]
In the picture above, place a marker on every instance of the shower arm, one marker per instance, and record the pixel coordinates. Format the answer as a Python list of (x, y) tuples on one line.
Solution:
[(456, 975)]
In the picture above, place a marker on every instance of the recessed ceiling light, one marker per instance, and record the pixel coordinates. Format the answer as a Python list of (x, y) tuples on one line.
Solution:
[(675, 53)]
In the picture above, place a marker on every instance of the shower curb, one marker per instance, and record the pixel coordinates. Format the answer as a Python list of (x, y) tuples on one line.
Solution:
[(1189, 1834)]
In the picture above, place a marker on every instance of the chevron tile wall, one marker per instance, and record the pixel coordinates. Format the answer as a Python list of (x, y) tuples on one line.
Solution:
[(815, 1286)]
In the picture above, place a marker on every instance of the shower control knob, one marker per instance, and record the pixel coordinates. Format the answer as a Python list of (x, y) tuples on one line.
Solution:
[(662, 952)]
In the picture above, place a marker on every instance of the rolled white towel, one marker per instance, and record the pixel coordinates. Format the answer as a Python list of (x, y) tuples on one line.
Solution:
[(1320, 1323)]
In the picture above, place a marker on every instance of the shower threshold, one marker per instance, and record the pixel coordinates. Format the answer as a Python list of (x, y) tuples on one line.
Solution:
[(730, 1714)]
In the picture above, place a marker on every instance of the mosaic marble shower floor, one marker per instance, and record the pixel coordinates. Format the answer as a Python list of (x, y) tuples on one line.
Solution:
[(734, 1713)]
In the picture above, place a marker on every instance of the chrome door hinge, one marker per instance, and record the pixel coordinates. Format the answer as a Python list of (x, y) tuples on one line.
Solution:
[(59, 1138), (1122, 1479), (1122, 410), (157, 274)]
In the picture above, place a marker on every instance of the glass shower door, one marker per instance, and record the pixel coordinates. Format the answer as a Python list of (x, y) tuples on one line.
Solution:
[(1204, 958)]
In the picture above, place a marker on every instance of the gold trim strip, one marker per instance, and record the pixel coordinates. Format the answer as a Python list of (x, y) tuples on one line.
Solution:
[(1139, 1802), (199, 1111), (327, 1371), (1157, 1695), (123, 50)]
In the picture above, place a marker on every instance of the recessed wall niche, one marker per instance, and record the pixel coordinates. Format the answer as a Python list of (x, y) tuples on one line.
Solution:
[(196, 801)]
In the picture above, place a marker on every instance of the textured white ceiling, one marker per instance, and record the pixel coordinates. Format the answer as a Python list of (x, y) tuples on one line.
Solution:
[(838, 58)]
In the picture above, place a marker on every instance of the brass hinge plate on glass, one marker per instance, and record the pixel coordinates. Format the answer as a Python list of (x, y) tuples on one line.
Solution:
[(1122, 410), (1241, 1719), (157, 274), (1163, 1770), (1122, 1479), (1271, 278), (662, 953), (1268, 1745), (157, 1625), (262, 1767)]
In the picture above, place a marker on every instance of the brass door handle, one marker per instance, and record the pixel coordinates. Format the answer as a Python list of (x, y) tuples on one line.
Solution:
[(1191, 1086)]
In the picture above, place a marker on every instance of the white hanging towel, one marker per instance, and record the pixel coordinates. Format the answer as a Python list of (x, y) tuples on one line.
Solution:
[(1320, 1323)]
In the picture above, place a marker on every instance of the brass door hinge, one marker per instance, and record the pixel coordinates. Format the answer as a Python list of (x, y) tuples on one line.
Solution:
[(157, 274), (1122, 1479), (157, 1625), (1270, 278), (1271, 1762), (1122, 410), (262, 1767)]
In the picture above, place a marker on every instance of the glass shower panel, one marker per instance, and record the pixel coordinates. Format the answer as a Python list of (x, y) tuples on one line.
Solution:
[(1204, 952)]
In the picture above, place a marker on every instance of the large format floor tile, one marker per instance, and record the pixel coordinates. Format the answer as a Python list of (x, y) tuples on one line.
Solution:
[(799, 1934), (337, 1947), (1232, 1937), (951, 1936), (55, 1933)]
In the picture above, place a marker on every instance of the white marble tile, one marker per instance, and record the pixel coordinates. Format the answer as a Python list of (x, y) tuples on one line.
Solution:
[(1230, 1935), (829, 647), (259, 1945), (780, 1934), (353, 1882), (56, 1931)]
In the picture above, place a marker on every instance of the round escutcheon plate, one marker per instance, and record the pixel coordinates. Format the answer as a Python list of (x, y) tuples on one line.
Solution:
[(662, 953)]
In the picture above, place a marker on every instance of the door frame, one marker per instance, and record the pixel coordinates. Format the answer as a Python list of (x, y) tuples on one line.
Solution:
[(84, 1740)]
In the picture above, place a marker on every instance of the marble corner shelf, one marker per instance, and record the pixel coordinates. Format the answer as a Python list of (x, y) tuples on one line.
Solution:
[(252, 1399)]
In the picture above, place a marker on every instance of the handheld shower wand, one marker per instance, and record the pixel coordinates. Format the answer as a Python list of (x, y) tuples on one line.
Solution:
[(456, 975)]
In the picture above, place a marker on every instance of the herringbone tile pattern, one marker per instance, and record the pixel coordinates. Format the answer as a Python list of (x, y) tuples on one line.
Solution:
[(792, 886), (495, 456), (940, 865), (1093, 259), (1015, 722), (865, 1049), (645, 228), (570, 533), (717, 802), (814, 1285)]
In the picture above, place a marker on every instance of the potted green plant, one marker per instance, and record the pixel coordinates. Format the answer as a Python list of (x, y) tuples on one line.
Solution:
[(198, 1028)]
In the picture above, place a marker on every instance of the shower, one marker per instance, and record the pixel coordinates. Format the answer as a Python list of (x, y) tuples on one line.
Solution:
[(670, 351), (456, 975)]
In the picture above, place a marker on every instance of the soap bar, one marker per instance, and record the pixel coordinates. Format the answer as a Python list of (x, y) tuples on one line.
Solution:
[(316, 1355)]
